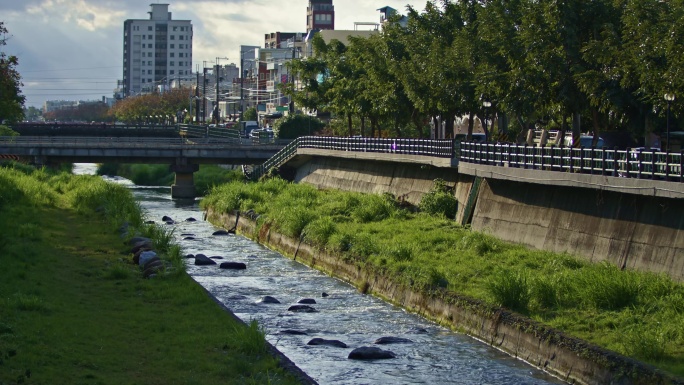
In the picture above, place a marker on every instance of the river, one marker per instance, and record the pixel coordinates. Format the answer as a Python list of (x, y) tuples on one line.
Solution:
[(435, 355)]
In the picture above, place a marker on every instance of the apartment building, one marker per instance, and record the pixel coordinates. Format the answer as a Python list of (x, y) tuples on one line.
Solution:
[(156, 51)]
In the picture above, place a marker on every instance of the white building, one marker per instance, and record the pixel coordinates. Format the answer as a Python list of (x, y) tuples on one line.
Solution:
[(156, 51)]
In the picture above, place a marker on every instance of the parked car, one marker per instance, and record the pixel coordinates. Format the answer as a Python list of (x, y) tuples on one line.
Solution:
[(585, 141)]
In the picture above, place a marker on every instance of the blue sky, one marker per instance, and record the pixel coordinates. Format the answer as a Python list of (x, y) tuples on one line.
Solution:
[(72, 49)]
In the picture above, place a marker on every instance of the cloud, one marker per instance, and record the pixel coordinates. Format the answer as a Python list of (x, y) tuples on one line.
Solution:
[(88, 15)]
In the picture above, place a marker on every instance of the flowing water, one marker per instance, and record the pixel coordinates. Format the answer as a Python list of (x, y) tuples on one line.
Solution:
[(435, 354)]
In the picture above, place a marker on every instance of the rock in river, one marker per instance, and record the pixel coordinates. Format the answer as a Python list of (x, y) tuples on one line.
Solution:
[(307, 301), (302, 309), (233, 266), (392, 340), (333, 343), (203, 260), (268, 299), (370, 353)]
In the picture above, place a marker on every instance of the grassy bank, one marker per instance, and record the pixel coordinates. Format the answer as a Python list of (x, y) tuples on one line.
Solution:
[(637, 314), (160, 175), (75, 310)]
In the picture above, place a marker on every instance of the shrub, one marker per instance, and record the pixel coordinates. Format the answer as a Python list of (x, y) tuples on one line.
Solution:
[(6, 131), (439, 201)]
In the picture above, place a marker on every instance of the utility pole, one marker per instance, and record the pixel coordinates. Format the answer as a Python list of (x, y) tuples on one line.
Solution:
[(216, 103), (242, 83), (204, 92), (197, 103)]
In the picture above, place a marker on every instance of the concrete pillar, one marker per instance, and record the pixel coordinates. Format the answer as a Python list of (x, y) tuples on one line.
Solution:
[(184, 185)]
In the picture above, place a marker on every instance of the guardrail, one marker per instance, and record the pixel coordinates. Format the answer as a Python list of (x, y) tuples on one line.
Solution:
[(629, 163), (127, 142)]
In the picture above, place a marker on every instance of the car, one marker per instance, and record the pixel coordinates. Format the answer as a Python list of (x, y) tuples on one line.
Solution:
[(478, 137), (585, 141), (260, 133)]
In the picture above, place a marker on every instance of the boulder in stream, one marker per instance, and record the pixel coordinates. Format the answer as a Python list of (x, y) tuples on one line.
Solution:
[(333, 343), (370, 353), (302, 309), (392, 340), (307, 301), (222, 232), (268, 299), (233, 266), (203, 260)]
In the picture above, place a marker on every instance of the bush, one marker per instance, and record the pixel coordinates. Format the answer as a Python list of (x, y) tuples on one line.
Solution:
[(440, 201), (294, 126)]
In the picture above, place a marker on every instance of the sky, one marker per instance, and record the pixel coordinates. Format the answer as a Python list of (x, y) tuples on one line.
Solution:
[(72, 49)]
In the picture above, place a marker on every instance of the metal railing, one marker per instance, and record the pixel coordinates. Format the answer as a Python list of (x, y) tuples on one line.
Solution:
[(629, 163), (441, 148), (126, 142)]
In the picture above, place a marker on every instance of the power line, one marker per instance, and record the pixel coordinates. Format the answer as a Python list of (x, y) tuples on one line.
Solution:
[(71, 69)]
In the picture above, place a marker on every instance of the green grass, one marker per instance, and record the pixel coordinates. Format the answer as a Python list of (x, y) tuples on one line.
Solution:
[(75, 310), (637, 314), (205, 178)]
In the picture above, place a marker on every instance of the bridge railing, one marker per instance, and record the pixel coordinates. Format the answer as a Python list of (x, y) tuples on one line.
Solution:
[(629, 163), (442, 148)]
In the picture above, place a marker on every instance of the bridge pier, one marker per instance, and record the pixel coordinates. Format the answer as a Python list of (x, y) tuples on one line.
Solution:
[(184, 185)]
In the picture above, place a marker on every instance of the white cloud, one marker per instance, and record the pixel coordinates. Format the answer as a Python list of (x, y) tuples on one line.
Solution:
[(52, 38)]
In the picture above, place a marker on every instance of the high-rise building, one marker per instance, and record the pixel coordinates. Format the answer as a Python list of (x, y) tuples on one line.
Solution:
[(320, 14), (156, 51)]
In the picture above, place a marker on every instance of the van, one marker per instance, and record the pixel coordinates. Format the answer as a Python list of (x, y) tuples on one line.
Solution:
[(247, 126)]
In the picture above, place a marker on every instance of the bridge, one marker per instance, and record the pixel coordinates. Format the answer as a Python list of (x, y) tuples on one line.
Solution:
[(183, 154)]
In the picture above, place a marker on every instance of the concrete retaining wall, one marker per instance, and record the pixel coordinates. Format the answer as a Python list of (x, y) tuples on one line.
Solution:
[(405, 181), (630, 231), (633, 231), (571, 359)]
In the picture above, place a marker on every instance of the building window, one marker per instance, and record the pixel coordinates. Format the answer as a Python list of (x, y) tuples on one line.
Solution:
[(173, 37), (172, 46), (149, 37), (171, 72), (171, 54), (175, 29), (149, 72), (172, 63), (149, 28), (180, 37)]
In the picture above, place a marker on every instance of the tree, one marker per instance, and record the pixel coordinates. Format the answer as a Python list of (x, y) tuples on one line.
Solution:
[(151, 108), (11, 99), (250, 114), (294, 126)]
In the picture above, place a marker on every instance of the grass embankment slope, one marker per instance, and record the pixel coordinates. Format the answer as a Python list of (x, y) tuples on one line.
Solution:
[(74, 310), (637, 314), (205, 178)]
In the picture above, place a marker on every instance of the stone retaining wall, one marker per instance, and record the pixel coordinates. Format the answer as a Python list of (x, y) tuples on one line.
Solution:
[(573, 360)]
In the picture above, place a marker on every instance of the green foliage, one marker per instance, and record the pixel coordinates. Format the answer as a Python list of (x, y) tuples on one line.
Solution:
[(596, 302), (510, 289), (6, 131), (294, 126), (250, 114), (440, 200), (11, 99)]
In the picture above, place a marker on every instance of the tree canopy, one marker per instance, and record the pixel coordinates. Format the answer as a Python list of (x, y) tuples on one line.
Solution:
[(152, 108), (604, 63), (11, 99)]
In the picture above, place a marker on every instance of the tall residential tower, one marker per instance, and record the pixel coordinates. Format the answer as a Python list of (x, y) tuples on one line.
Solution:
[(156, 51)]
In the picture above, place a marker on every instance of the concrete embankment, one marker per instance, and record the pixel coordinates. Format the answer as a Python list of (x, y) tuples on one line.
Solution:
[(622, 225), (573, 360)]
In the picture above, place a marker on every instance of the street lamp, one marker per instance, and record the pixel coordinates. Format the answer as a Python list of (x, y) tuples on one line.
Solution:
[(669, 98)]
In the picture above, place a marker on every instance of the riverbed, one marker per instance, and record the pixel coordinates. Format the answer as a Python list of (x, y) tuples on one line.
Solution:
[(430, 354)]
